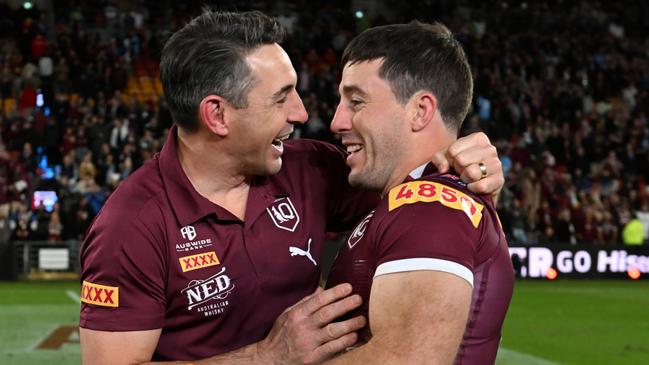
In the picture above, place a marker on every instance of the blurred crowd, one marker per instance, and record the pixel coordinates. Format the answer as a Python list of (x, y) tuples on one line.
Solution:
[(564, 93), (561, 89)]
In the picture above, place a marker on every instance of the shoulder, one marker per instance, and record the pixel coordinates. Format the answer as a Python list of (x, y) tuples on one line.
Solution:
[(136, 193), (436, 197), (133, 210)]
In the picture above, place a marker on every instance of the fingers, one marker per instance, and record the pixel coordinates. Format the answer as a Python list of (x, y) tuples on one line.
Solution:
[(441, 161), (320, 299), (305, 332), (339, 329), (463, 152), (473, 173), (331, 348), (474, 141), (466, 158), (491, 184), (465, 155), (337, 309), (308, 297)]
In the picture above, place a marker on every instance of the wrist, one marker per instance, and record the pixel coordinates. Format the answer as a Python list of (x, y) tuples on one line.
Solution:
[(263, 354)]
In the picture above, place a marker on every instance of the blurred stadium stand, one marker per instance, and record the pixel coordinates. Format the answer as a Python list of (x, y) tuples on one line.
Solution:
[(561, 87)]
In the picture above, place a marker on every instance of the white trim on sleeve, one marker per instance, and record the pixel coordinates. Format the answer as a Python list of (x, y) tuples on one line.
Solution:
[(415, 264), (418, 172)]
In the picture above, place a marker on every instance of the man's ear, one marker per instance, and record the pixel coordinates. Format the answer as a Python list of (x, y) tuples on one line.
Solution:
[(211, 112), (424, 105)]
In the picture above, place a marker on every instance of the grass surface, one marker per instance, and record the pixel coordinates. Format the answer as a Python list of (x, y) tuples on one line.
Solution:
[(29, 314), (549, 323), (580, 322)]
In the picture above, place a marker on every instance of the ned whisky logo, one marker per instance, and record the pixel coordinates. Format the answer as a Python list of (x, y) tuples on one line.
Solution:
[(217, 287)]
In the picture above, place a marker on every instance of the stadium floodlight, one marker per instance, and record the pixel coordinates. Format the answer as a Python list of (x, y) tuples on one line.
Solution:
[(27, 5)]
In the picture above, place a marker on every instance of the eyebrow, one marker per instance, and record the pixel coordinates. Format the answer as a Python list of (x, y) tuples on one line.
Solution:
[(351, 89), (281, 92)]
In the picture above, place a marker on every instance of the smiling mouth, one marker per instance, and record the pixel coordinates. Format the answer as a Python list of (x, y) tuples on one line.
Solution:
[(279, 141), (351, 148)]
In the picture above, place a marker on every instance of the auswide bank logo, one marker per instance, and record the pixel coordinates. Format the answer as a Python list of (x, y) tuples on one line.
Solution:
[(188, 232)]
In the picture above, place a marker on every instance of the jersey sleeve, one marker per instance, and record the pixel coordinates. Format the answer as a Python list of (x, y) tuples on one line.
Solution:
[(436, 231), (123, 273)]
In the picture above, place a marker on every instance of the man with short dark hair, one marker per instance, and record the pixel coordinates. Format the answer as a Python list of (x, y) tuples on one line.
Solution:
[(200, 250), (431, 261)]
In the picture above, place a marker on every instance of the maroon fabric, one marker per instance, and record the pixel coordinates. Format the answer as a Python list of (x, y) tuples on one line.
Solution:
[(434, 230), (39, 47), (27, 98), (245, 274)]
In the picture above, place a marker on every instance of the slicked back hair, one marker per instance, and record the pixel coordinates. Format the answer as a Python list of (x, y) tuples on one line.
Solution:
[(419, 56), (207, 56)]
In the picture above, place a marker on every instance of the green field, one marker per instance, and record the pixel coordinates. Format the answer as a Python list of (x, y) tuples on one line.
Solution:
[(578, 323), (549, 323)]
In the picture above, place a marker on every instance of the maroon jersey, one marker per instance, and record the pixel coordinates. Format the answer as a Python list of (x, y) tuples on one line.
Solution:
[(435, 223), (160, 255)]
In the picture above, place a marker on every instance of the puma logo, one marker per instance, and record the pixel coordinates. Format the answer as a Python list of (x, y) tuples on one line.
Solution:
[(296, 251)]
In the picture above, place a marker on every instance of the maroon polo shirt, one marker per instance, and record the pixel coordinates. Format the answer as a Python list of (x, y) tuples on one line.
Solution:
[(160, 255), (435, 223)]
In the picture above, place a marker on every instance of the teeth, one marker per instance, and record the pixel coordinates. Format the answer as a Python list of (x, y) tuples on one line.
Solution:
[(354, 148), (278, 141)]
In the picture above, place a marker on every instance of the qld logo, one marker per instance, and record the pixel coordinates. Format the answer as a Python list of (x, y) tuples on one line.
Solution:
[(283, 214), (359, 231)]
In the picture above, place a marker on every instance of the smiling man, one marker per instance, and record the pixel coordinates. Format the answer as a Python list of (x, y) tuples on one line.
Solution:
[(211, 250), (431, 261)]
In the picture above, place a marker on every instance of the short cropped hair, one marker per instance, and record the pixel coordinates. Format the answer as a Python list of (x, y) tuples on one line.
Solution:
[(207, 56), (419, 56)]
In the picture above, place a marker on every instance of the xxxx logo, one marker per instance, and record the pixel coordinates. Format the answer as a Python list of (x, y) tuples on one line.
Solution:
[(106, 296), (198, 261)]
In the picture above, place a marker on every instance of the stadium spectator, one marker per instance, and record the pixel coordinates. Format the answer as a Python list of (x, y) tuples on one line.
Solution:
[(5, 224), (564, 84), (633, 232), (643, 216)]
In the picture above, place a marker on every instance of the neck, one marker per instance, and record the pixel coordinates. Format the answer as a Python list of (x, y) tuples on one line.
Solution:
[(420, 151), (213, 173)]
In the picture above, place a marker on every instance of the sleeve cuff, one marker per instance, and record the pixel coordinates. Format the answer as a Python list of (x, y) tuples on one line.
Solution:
[(415, 264)]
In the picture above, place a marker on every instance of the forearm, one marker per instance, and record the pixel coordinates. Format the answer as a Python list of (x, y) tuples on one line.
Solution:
[(248, 355), (367, 354)]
